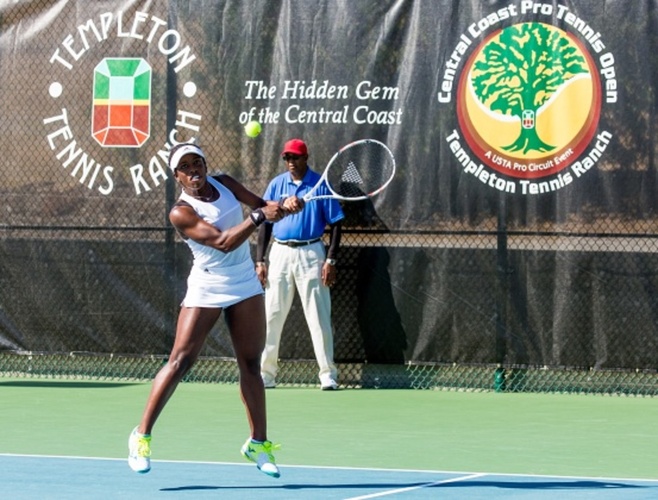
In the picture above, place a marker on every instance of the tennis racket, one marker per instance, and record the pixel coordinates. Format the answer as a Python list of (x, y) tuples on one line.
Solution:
[(358, 171)]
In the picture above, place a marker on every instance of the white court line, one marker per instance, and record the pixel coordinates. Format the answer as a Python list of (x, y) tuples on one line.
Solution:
[(420, 486), (375, 469)]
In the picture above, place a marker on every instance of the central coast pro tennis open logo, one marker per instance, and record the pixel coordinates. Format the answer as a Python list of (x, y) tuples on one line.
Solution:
[(529, 99), (103, 108)]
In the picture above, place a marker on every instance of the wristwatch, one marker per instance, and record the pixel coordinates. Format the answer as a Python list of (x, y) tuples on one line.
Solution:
[(331, 262)]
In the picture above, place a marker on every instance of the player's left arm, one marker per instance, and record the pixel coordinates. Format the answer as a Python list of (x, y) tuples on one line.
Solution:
[(243, 194)]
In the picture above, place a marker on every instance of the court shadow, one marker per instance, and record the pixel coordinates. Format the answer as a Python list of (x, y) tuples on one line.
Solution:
[(541, 485), (62, 384), (380, 324)]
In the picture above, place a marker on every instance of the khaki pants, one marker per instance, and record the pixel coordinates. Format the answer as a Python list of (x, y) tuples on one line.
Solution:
[(298, 269)]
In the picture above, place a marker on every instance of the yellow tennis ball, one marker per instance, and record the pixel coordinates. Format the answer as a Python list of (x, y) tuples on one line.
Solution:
[(253, 128)]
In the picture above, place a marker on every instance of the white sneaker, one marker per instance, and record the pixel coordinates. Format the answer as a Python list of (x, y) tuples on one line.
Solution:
[(139, 452), (329, 384), (268, 381), (261, 454)]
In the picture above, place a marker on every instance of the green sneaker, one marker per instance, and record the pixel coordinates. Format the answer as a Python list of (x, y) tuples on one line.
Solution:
[(139, 452), (261, 455)]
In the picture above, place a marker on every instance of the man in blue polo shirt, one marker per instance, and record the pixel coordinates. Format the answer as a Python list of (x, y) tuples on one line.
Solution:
[(298, 262)]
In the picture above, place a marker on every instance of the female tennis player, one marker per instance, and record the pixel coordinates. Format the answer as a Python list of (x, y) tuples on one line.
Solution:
[(209, 217)]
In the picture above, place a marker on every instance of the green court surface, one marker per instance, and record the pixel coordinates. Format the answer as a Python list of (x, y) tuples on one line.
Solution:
[(538, 434)]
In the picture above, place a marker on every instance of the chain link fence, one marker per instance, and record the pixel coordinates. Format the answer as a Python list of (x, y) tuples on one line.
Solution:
[(443, 283)]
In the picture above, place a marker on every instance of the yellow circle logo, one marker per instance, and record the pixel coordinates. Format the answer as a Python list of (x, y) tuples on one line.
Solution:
[(529, 100)]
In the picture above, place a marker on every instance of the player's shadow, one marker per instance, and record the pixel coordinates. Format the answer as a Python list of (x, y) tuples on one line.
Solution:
[(304, 486), (520, 485)]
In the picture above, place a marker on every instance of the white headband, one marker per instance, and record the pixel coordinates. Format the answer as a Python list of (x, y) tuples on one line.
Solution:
[(182, 151)]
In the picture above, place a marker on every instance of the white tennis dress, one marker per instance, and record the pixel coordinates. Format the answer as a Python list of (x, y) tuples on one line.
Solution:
[(219, 279)]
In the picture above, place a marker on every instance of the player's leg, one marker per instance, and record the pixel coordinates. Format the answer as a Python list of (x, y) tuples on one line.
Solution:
[(192, 329), (279, 295), (246, 324), (194, 324)]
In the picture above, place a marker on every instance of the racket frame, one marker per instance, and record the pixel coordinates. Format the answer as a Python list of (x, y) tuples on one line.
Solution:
[(309, 196)]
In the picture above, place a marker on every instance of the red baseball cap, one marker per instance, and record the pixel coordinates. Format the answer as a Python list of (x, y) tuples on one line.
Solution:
[(296, 147)]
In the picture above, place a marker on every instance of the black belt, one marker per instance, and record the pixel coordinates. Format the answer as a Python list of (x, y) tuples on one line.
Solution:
[(294, 243)]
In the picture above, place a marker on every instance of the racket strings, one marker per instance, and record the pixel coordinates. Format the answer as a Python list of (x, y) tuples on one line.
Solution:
[(360, 170)]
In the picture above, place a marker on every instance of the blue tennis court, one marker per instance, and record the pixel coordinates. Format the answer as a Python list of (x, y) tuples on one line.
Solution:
[(41, 477)]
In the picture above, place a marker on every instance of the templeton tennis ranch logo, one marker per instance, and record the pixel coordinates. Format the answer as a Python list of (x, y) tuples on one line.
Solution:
[(120, 97), (528, 98), (122, 102)]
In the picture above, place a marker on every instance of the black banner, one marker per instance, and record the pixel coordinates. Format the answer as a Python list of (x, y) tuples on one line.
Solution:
[(519, 229)]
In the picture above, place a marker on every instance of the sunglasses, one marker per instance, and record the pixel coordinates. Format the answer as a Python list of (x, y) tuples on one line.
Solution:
[(291, 157)]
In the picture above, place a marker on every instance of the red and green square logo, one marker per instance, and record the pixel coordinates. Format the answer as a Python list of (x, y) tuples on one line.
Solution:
[(122, 102)]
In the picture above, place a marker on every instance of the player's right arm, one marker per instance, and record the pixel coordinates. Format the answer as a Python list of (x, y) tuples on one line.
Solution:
[(188, 223)]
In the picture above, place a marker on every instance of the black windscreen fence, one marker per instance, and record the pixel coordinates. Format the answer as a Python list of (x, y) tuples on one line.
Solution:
[(515, 249)]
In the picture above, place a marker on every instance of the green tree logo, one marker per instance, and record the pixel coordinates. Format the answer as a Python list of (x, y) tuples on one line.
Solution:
[(519, 71)]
